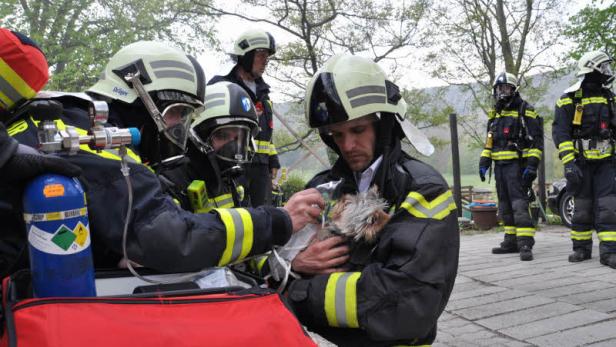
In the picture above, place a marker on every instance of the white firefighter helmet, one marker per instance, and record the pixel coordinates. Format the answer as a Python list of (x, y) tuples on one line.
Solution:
[(227, 124), (349, 87), (161, 68), (253, 39), (505, 86), (594, 61)]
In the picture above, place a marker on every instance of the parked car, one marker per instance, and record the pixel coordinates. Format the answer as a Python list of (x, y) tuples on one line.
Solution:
[(560, 201)]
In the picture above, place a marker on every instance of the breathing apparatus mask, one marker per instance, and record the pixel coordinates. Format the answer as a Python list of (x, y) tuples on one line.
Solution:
[(172, 123)]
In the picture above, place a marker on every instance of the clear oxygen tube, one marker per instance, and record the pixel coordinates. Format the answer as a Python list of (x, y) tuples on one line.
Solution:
[(281, 257)]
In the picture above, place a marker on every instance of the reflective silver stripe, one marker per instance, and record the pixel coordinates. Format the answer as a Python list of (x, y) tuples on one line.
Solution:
[(9, 91), (210, 97), (239, 234), (351, 93), (340, 303), (214, 103), (366, 100), (160, 64), (174, 74), (429, 212), (257, 41)]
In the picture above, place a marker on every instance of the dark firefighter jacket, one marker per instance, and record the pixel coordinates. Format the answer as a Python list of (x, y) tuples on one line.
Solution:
[(514, 137), (266, 153), (594, 136), (396, 290), (161, 234), (198, 186)]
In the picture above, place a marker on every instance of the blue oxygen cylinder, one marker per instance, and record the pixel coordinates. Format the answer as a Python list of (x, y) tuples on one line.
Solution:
[(58, 237)]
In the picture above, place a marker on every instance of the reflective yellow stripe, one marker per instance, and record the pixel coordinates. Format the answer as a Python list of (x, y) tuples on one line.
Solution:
[(598, 154), (261, 261), (581, 235), (607, 235), (567, 158), (594, 100), (272, 149), (341, 299), (16, 83), (263, 147), (438, 208), (504, 155), (564, 101), (17, 127), (509, 113), (530, 114), (525, 232), (533, 152), (240, 235), (565, 146), (510, 230), (486, 153)]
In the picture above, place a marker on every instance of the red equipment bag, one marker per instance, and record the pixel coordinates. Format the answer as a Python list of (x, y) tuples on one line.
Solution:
[(250, 317)]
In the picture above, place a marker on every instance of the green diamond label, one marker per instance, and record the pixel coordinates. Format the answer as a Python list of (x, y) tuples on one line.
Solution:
[(64, 238)]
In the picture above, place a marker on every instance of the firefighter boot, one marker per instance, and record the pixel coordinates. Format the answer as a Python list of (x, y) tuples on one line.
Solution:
[(526, 253), (509, 245), (578, 255), (608, 259)]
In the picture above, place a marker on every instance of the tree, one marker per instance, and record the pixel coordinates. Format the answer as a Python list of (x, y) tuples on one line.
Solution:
[(79, 36), (593, 28), (386, 31), (480, 38)]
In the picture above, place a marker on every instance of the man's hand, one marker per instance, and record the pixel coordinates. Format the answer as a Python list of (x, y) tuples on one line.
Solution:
[(529, 175), (27, 163), (19, 163), (304, 207), (484, 166), (274, 173), (322, 257)]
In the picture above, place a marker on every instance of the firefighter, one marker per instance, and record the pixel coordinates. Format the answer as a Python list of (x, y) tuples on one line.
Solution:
[(23, 72), (220, 142), (583, 132), (155, 88), (251, 52), (514, 142), (391, 292)]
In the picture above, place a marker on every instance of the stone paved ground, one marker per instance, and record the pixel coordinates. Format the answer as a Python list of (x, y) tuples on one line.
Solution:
[(500, 301)]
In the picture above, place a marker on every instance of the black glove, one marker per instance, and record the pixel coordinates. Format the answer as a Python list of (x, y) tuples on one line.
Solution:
[(529, 175), (484, 166), (574, 176), (26, 163)]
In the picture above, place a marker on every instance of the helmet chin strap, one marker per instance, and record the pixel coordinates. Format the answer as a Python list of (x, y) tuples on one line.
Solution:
[(134, 79)]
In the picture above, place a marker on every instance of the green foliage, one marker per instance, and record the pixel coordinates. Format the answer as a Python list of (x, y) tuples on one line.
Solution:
[(593, 28), (292, 185), (79, 36)]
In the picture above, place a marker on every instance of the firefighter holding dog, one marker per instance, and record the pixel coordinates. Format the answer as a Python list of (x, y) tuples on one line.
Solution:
[(583, 132), (515, 143)]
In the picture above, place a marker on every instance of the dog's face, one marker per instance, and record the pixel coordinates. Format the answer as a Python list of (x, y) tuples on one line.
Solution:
[(360, 216)]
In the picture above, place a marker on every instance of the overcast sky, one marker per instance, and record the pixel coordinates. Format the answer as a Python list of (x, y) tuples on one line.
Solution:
[(215, 62)]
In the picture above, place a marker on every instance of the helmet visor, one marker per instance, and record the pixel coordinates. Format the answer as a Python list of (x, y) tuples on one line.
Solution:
[(504, 91), (176, 119), (325, 105), (232, 142), (605, 69)]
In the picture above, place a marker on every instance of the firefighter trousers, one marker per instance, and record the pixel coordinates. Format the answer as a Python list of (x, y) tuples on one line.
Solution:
[(513, 204), (595, 207)]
